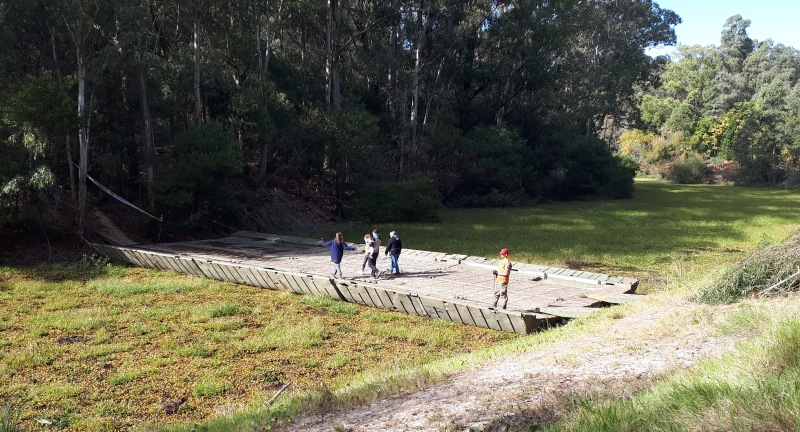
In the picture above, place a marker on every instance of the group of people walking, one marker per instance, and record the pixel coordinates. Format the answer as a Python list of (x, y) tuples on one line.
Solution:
[(372, 247)]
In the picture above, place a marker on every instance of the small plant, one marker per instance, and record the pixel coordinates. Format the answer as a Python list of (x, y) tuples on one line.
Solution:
[(9, 420), (210, 388), (227, 310), (92, 262)]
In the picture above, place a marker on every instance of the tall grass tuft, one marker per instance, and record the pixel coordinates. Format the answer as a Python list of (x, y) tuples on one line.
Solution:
[(759, 271), (9, 419)]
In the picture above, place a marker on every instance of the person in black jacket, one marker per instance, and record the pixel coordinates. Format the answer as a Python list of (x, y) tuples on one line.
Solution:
[(393, 249)]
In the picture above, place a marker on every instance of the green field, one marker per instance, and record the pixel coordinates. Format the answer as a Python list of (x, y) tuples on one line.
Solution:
[(93, 347)]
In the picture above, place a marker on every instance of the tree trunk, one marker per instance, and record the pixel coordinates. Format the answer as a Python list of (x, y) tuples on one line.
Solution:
[(415, 80), (198, 104), (83, 138), (329, 54), (149, 149), (333, 99), (70, 168)]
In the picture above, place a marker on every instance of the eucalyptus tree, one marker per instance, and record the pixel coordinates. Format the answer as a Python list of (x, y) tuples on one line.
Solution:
[(82, 19), (735, 46)]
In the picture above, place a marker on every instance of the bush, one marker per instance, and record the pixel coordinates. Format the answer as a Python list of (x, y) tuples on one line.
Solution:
[(491, 163), (688, 169), (568, 165), (201, 183), (412, 200), (792, 179), (757, 272)]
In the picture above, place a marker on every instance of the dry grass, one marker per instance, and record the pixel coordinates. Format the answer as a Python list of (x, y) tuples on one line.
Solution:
[(105, 348)]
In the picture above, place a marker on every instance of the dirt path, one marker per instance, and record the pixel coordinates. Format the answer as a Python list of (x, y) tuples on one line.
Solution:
[(643, 343)]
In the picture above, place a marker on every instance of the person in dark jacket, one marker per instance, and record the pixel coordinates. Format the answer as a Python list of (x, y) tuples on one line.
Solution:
[(393, 249), (338, 246)]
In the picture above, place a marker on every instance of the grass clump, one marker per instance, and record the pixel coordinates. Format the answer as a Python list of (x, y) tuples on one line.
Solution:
[(9, 419), (754, 274), (753, 388)]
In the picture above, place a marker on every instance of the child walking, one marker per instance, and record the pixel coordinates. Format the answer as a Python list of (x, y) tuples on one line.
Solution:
[(367, 251), (338, 246)]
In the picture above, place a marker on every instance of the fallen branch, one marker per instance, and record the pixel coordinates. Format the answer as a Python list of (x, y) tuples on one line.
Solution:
[(761, 293), (272, 399)]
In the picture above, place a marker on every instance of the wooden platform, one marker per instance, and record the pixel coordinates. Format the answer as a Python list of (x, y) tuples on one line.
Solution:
[(437, 285)]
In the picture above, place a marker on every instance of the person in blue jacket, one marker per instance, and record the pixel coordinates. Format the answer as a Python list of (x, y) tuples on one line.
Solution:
[(338, 246)]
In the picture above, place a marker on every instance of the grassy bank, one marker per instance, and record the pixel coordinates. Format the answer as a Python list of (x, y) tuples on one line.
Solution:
[(753, 388), (94, 347)]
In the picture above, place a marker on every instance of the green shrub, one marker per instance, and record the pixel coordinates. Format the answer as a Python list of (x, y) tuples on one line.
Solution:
[(491, 163), (202, 181), (9, 419), (688, 169), (412, 200), (566, 165), (757, 272)]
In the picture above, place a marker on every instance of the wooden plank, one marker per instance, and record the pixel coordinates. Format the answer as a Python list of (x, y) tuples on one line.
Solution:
[(119, 255), (223, 272), (142, 259), (207, 270), (242, 274), (157, 260), (464, 314), (453, 313), (435, 308), (568, 312), (283, 281), (188, 266), (418, 306), (261, 277), (360, 295), (404, 303), (491, 320), (478, 315), (279, 280), (307, 287), (171, 263), (230, 272), (385, 299), (504, 321), (294, 284), (349, 292), (518, 324), (248, 274), (323, 287)]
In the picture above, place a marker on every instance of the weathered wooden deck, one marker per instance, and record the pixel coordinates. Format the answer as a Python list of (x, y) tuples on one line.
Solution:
[(436, 285)]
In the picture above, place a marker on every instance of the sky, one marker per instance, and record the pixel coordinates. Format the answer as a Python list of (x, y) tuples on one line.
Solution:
[(703, 20)]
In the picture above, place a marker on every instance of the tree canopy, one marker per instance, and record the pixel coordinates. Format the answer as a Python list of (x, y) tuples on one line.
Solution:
[(737, 101), (190, 108)]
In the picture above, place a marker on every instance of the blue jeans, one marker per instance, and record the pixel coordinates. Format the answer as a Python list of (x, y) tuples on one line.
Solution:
[(394, 265)]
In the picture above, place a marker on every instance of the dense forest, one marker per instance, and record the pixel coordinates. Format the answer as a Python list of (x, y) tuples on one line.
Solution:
[(735, 106), (207, 110)]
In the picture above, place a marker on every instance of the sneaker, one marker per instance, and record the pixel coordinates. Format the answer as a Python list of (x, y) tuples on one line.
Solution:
[(380, 274)]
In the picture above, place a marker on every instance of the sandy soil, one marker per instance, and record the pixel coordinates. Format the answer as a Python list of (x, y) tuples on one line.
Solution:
[(642, 344)]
